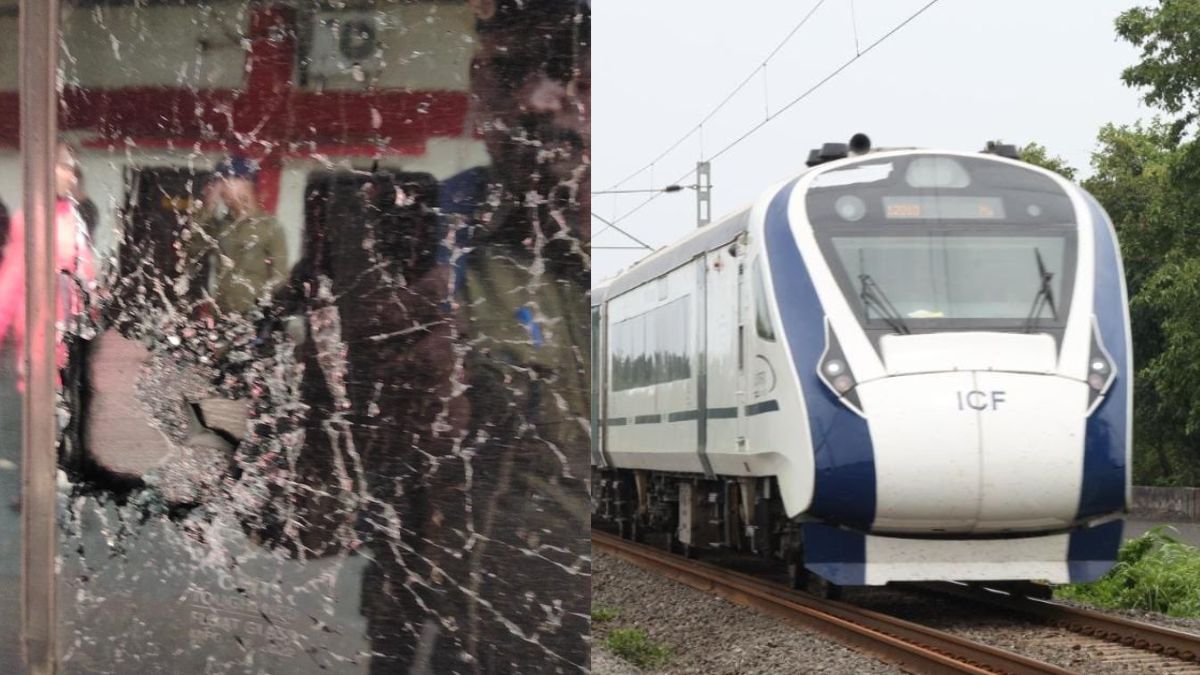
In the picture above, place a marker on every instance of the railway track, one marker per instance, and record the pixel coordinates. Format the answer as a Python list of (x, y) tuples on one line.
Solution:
[(906, 644), (1138, 646), (1142, 636)]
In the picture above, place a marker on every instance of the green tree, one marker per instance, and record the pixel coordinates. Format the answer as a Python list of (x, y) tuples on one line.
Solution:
[(1135, 180), (1168, 71), (1147, 177), (1038, 155)]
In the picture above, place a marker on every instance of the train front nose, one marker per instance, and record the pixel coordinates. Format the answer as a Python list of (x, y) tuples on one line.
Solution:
[(976, 451)]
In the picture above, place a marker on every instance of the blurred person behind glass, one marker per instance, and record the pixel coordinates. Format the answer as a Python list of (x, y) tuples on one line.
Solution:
[(236, 253), (4, 225), (500, 507), (73, 260), (88, 211), (457, 430)]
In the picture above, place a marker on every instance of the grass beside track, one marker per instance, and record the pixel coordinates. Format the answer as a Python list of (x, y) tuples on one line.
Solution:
[(1154, 572), (601, 614), (634, 646), (630, 644)]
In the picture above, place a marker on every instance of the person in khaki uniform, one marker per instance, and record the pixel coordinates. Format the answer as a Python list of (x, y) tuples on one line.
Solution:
[(500, 517), (446, 393), (239, 258)]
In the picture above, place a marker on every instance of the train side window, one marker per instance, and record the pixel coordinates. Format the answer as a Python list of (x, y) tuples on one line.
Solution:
[(652, 348), (762, 315)]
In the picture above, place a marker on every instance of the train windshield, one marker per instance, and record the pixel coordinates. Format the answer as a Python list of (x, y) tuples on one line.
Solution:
[(942, 276), (931, 242)]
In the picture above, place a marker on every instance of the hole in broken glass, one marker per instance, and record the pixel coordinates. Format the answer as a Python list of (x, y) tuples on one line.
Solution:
[(328, 405)]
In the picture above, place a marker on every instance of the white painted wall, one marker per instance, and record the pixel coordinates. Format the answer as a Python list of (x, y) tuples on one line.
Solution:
[(122, 46), (8, 53), (422, 45)]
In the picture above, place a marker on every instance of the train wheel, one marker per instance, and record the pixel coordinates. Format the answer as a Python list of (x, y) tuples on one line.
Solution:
[(1040, 591), (797, 575), (1028, 589), (801, 579), (624, 528), (822, 587), (674, 545)]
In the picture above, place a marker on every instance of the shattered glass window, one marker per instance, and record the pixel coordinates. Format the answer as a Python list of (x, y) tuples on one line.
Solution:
[(10, 402), (324, 332)]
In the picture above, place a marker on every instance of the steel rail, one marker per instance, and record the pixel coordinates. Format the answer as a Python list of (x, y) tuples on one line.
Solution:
[(1136, 634), (904, 643)]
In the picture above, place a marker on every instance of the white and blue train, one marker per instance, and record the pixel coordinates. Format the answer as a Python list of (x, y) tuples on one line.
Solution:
[(898, 365)]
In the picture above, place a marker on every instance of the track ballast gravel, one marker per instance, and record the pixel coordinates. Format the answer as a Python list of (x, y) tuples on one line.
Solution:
[(708, 635), (1018, 634)]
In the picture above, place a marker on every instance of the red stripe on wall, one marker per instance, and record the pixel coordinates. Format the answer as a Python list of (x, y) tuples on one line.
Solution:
[(301, 151), (269, 111), (352, 118), (269, 118)]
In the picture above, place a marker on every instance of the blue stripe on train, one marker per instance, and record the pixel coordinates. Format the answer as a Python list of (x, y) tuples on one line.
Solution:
[(835, 554), (845, 461), (1104, 471), (1093, 551)]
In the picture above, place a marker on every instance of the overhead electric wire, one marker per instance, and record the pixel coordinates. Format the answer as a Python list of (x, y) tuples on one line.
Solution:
[(808, 92), (728, 97), (819, 84), (630, 212), (608, 224)]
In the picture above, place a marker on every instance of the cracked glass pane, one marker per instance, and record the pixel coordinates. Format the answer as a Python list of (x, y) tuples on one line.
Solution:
[(10, 401), (324, 395)]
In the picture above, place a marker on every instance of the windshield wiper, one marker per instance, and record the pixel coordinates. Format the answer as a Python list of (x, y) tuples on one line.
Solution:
[(872, 294), (1044, 297)]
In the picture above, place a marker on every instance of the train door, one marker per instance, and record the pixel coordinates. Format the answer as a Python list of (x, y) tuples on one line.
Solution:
[(722, 350), (745, 306), (701, 264), (599, 363)]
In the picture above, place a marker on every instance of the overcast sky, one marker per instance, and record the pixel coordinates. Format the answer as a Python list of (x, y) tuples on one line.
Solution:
[(963, 72)]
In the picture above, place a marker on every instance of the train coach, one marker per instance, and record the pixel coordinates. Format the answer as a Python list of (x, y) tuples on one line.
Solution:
[(898, 365)]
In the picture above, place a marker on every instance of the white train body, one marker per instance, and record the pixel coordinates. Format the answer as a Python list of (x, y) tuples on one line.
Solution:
[(926, 354)]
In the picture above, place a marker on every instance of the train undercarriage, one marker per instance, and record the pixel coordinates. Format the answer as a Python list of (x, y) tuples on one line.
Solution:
[(690, 514)]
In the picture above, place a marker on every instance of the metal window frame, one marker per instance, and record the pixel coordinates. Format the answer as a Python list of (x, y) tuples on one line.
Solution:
[(38, 49)]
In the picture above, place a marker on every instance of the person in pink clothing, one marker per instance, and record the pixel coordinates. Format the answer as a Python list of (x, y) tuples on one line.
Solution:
[(73, 258)]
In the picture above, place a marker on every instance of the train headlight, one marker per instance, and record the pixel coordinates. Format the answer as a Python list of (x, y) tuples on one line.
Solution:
[(850, 207), (843, 384), (834, 371), (1101, 372)]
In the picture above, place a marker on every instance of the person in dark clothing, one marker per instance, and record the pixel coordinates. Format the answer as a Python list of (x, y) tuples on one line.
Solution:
[(88, 211), (451, 441), (4, 226), (502, 510)]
